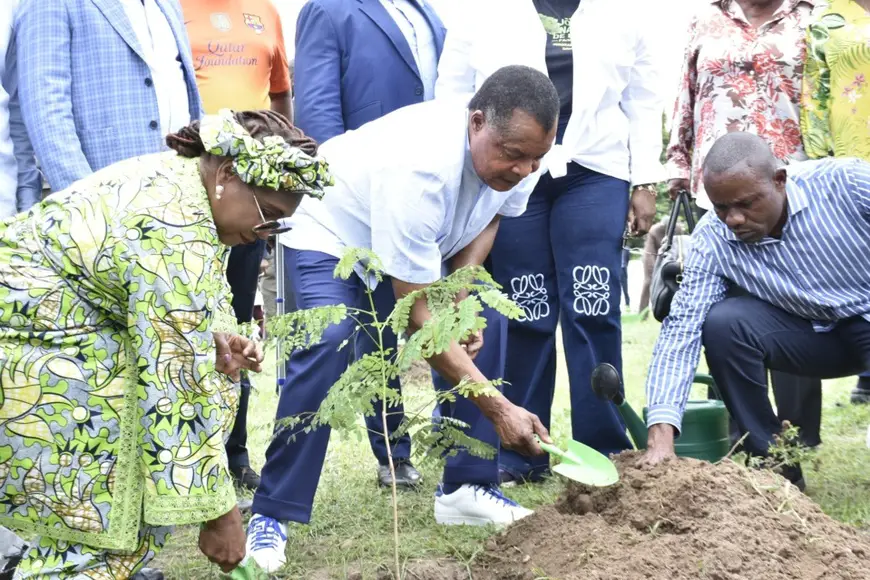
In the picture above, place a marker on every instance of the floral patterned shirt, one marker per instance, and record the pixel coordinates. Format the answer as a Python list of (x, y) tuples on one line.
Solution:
[(835, 119), (738, 78)]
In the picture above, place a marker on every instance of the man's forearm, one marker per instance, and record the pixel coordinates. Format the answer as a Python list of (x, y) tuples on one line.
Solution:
[(669, 381), (283, 103), (476, 252), (454, 364)]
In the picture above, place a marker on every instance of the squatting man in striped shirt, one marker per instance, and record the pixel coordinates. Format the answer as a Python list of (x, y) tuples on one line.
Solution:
[(778, 278)]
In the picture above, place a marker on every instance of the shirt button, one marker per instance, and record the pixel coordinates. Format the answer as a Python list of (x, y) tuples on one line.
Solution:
[(153, 124), (148, 82), (418, 91)]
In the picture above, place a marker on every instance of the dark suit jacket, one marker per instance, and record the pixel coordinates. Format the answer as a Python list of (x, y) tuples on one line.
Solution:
[(353, 65)]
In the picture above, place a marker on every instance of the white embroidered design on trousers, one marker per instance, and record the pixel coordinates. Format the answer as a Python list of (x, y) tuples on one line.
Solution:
[(529, 292), (592, 290)]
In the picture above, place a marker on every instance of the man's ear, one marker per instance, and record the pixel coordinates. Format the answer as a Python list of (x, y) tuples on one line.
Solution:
[(780, 177), (477, 120)]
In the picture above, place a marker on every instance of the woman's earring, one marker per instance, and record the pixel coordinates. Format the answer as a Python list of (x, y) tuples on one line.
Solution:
[(218, 191)]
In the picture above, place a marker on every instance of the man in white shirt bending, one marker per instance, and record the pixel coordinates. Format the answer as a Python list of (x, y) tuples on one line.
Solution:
[(424, 188)]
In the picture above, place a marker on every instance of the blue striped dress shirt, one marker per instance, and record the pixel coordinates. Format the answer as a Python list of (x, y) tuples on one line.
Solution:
[(818, 270)]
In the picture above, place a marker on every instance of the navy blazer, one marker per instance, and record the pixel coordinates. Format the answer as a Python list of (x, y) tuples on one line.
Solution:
[(353, 65)]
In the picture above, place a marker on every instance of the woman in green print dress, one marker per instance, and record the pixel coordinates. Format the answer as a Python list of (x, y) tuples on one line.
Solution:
[(114, 320)]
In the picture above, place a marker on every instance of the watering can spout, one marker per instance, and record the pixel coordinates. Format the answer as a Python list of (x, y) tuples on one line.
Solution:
[(607, 385)]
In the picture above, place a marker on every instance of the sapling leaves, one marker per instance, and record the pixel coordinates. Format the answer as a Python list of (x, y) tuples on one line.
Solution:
[(303, 328), (370, 262), (367, 379), (355, 392), (445, 438), (467, 388), (455, 304), (499, 301)]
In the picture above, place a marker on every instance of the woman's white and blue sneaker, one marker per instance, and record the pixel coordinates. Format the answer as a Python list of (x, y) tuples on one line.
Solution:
[(267, 541), (477, 505)]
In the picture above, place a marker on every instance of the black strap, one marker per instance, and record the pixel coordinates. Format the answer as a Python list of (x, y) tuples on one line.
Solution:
[(683, 202)]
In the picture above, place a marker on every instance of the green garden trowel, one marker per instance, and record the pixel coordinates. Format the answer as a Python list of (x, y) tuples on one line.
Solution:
[(248, 570), (583, 464)]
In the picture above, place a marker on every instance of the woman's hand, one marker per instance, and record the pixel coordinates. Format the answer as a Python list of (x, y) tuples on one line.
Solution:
[(642, 209), (235, 353), (222, 540), (675, 186)]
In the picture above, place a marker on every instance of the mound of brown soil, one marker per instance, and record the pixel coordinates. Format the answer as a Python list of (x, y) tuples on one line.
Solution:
[(679, 521)]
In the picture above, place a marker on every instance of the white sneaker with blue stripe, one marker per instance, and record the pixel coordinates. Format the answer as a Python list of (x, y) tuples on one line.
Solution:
[(267, 541), (477, 505)]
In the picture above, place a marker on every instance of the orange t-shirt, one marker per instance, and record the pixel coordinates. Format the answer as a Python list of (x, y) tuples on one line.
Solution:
[(238, 52)]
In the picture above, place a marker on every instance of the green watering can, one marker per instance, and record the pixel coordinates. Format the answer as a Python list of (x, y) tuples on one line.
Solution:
[(705, 433)]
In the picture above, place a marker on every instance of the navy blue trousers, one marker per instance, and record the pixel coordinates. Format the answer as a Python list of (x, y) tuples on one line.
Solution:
[(292, 470), (745, 336), (401, 446), (243, 271), (562, 261)]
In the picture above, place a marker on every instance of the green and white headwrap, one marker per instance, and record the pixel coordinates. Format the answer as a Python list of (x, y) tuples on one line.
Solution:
[(271, 163)]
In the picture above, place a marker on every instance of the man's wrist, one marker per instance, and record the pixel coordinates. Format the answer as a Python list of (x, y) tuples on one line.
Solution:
[(665, 414), (491, 406), (662, 429), (661, 435)]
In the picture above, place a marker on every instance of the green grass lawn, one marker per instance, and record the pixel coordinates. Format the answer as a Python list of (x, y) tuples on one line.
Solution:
[(351, 529)]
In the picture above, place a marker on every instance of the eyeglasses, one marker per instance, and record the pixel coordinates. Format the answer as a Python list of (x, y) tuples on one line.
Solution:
[(272, 227)]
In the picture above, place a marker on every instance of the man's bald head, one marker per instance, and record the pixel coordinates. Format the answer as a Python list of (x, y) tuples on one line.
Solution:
[(746, 185), (740, 151)]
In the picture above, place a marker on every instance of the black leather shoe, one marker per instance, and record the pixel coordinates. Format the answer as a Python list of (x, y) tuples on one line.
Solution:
[(245, 477), (148, 574), (406, 475), (794, 474)]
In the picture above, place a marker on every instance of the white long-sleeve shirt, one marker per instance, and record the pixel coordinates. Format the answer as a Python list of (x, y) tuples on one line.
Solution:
[(416, 207), (616, 122)]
